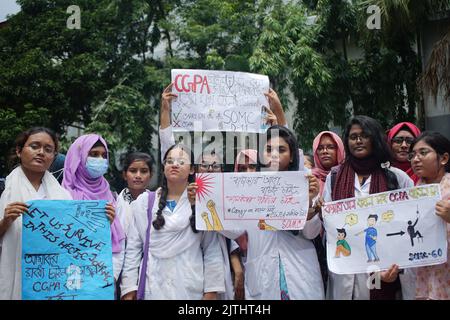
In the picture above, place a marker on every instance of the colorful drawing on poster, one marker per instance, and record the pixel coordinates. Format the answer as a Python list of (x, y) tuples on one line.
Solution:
[(399, 227), (204, 186), (410, 230), (216, 223), (262, 225), (387, 216), (342, 246), (260, 201), (351, 219), (208, 224), (371, 238)]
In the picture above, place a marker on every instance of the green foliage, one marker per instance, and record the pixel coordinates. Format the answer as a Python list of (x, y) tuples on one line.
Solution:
[(108, 77), (12, 124), (55, 76), (126, 121)]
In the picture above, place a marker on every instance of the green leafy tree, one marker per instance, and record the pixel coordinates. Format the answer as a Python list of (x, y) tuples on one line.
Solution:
[(127, 123), (108, 77), (54, 76)]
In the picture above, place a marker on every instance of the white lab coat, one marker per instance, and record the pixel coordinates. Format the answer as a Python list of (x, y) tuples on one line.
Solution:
[(298, 256), (167, 140), (124, 213), (354, 286), (182, 264), (125, 216)]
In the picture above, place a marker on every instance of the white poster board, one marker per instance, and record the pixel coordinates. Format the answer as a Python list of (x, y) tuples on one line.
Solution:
[(211, 100), (259, 200), (397, 227)]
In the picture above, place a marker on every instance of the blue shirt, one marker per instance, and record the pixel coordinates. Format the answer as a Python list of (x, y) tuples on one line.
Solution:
[(370, 232), (171, 204)]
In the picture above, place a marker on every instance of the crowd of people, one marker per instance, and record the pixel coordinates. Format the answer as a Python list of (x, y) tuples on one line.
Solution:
[(159, 254)]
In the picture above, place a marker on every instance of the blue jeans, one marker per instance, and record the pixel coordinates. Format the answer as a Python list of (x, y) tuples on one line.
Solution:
[(372, 252)]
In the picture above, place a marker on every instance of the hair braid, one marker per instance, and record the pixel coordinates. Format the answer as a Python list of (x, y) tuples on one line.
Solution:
[(159, 222), (192, 219)]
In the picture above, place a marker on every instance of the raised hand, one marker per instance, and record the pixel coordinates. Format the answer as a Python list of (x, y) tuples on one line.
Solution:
[(313, 187), (271, 118), (167, 97), (276, 107), (191, 190), (166, 106)]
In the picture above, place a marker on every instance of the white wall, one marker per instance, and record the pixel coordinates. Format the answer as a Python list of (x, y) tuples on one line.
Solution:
[(437, 111)]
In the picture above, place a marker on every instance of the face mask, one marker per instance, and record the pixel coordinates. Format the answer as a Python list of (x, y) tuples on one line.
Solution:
[(96, 167)]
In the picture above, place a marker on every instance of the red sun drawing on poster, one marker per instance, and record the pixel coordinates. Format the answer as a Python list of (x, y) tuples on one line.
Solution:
[(204, 186)]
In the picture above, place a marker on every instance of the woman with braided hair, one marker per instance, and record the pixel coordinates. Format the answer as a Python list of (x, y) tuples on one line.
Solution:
[(181, 262)]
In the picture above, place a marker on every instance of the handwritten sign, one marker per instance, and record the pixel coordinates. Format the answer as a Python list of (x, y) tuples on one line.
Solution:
[(397, 227), (262, 200), (66, 251), (219, 101)]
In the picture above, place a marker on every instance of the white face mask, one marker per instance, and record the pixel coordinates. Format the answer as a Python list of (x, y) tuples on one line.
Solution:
[(96, 167)]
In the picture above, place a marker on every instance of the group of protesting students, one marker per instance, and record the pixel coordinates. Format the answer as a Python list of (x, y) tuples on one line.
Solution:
[(159, 254)]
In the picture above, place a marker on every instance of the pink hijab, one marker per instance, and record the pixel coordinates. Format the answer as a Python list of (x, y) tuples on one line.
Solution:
[(405, 166), (319, 171), (82, 187), (250, 153)]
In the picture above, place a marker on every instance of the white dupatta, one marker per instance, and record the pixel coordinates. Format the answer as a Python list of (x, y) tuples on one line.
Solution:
[(19, 189), (176, 236)]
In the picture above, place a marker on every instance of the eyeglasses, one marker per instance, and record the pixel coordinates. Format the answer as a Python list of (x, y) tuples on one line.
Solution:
[(362, 136), (171, 161), (422, 154), (37, 146), (213, 166), (330, 147), (399, 140)]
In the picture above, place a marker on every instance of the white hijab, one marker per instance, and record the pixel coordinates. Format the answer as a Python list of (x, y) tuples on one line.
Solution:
[(19, 189)]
